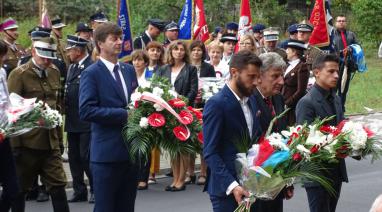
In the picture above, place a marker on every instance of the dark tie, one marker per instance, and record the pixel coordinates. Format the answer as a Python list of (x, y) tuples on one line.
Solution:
[(268, 101), (117, 77)]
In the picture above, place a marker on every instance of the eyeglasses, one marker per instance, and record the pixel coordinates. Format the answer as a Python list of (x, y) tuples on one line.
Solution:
[(245, 44)]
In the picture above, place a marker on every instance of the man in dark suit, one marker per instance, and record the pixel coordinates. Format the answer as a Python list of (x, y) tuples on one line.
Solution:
[(271, 103), (78, 131), (230, 116), (105, 90), (154, 28), (322, 102)]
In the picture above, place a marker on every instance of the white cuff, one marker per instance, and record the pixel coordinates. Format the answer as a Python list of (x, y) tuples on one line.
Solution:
[(231, 187)]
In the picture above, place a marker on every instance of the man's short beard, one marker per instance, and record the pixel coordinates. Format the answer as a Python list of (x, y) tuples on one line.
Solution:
[(243, 90)]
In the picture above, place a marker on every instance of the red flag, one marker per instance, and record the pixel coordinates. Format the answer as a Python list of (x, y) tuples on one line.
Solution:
[(200, 27), (245, 22), (45, 21), (320, 35)]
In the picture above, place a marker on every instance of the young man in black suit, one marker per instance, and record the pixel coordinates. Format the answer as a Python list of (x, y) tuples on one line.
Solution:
[(322, 102), (271, 103)]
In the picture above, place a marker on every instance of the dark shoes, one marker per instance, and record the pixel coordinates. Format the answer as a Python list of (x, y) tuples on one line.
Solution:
[(175, 189), (79, 198), (169, 174), (190, 180), (42, 196)]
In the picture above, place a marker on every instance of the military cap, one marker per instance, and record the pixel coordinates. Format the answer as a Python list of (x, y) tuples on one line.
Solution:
[(99, 17), (46, 48), (8, 24), (228, 37), (57, 23), (232, 26), (171, 26), (305, 26), (39, 33), (258, 28), (75, 41), (292, 29), (157, 23), (83, 27), (271, 34), (217, 30), (296, 44)]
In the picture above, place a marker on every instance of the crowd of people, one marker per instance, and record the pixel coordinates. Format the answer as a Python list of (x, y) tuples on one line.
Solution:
[(80, 76)]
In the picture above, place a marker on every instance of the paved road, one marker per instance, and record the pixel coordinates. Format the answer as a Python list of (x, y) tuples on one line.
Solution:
[(357, 195)]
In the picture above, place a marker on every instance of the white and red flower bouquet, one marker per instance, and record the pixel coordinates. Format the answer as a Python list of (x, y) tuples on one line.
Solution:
[(300, 154), (159, 117), (23, 115)]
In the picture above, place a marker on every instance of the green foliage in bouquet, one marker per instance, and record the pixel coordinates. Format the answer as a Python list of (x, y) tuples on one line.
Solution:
[(151, 124)]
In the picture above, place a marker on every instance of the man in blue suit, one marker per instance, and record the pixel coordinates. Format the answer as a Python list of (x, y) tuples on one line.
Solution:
[(230, 116), (105, 90), (322, 102)]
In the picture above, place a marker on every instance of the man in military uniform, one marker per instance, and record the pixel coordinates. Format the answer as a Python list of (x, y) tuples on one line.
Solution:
[(38, 152), (171, 32), (304, 31), (15, 51), (85, 32), (57, 27), (78, 131), (271, 36), (154, 28), (97, 19), (292, 31)]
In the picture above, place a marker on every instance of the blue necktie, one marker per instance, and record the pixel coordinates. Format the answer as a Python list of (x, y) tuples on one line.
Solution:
[(117, 77)]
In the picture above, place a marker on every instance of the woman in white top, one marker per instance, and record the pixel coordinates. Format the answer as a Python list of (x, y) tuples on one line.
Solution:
[(140, 61), (215, 52)]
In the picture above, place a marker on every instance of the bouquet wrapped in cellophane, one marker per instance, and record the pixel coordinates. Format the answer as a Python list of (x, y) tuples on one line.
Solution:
[(299, 154), (159, 117), (210, 86), (23, 115)]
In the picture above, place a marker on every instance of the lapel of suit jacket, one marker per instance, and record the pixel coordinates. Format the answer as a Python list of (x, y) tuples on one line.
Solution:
[(256, 122), (265, 112), (128, 80), (294, 70), (112, 81), (181, 76), (237, 107)]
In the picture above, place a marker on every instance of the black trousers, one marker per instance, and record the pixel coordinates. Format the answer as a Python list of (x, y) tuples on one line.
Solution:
[(144, 169), (79, 153), (320, 200), (8, 178)]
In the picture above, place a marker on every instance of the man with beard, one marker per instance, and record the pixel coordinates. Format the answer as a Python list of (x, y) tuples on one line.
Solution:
[(221, 129), (271, 103), (322, 102)]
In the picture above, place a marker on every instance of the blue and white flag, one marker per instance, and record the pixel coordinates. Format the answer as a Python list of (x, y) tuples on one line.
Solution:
[(185, 21), (124, 23)]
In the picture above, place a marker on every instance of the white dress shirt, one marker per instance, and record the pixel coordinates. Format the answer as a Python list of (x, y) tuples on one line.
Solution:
[(249, 120), (292, 65), (110, 66)]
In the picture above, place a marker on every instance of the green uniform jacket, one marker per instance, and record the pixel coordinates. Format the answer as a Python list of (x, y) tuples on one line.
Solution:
[(13, 57), (25, 81)]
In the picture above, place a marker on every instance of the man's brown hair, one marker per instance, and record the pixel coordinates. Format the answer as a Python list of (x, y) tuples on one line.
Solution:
[(104, 30)]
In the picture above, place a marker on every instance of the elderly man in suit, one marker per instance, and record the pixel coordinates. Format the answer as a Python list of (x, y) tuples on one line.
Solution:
[(322, 102), (271, 103), (230, 116), (78, 131), (105, 90)]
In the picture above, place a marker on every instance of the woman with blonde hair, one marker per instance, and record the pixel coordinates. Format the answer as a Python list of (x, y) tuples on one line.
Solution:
[(184, 79), (247, 42), (215, 52)]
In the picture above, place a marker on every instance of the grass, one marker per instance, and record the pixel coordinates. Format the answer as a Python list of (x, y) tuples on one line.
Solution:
[(365, 88)]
